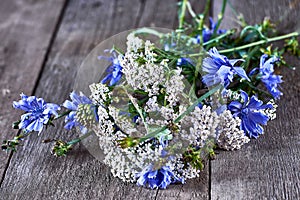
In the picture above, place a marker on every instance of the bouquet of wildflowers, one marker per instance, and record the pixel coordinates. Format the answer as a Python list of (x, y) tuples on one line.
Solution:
[(161, 109)]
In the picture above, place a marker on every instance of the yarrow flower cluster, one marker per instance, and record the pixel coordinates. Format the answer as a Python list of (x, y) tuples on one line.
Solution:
[(160, 113), (230, 135)]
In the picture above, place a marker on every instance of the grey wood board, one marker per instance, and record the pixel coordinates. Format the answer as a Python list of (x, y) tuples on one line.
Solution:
[(35, 174), (269, 167), (283, 13), (26, 29)]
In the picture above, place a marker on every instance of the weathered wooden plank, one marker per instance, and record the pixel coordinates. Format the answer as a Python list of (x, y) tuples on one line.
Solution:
[(267, 168), (157, 13), (33, 172), (197, 188), (283, 13), (26, 29)]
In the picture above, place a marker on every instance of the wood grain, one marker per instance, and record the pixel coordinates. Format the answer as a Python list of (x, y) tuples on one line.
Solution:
[(284, 13), (26, 29), (267, 168), (33, 172)]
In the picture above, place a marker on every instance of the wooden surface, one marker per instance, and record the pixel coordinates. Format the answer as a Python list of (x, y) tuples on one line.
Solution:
[(267, 168), (42, 45), (285, 13), (27, 29)]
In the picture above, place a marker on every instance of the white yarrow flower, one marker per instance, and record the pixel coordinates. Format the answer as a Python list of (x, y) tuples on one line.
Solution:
[(230, 136)]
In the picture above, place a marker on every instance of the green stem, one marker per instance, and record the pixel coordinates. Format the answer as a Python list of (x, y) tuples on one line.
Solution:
[(192, 13), (257, 89), (216, 39), (202, 18), (188, 111), (161, 52), (199, 100), (294, 34), (182, 14), (149, 31), (198, 65), (261, 35), (249, 56), (80, 138), (24, 134), (220, 17), (62, 115), (213, 40), (116, 49)]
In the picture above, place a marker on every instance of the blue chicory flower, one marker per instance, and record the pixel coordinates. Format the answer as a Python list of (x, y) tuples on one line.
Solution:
[(114, 70), (208, 32), (200, 105), (220, 70), (160, 178), (37, 112), (70, 119), (250, 112), (184, 62), (268, 77)]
